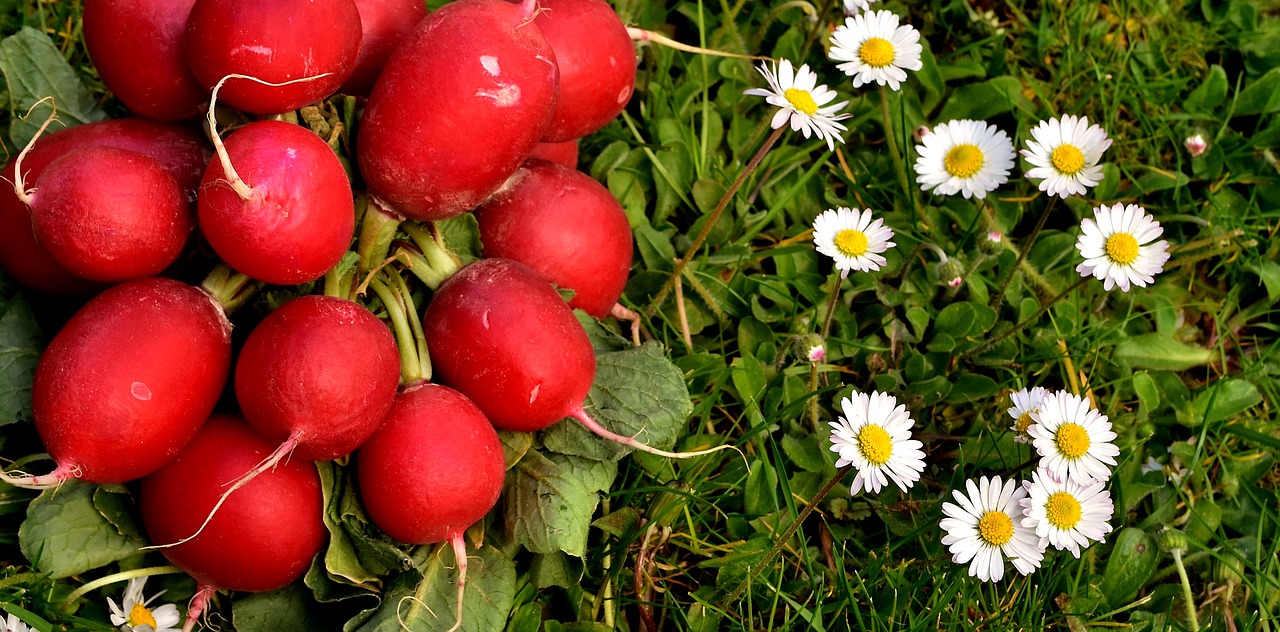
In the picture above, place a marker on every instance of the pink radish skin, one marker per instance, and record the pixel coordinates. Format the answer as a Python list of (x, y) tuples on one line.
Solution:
[(299, 216), (129, 225), (564, 153), (565, 225), (459, 105), (597, 65), (276, 41), (384, 23), (129, 379), (122, 36), (319, 373)]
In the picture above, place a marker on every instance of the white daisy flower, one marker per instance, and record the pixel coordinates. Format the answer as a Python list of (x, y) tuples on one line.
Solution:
[(1067, 513), (13, 624), (874, 436), (875, 48), (852, 239), (986, 527), (800, 99), (1074, 440), (964, 156), (1117, 246), (854, 7), (1065, 155), (137, 615), (1025, 402)]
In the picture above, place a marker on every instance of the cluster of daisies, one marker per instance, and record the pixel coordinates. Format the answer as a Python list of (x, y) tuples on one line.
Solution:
[(1065, 504)]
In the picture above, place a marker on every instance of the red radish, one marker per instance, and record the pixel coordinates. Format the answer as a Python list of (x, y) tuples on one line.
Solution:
[(459, 105), (597, 65), (262, 539), (277, 41), (128, 381), (565, 153), (565, 225), (384, 23), (433, 469), (122, 36)]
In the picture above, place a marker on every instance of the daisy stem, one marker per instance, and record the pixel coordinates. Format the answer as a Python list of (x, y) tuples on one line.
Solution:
[(1026, 321), (1022, 253), (813, 366), (113, 578), (782, 541), (711, 221), (1186, 590), (892, 140)]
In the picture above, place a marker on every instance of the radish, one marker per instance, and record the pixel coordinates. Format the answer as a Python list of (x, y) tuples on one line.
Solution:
[(565, 153), (123, 35), (433, 469), (128, 381), (277, 41), (597, 65), (262, 539), (565, 225), (383, 23), (459, 105)]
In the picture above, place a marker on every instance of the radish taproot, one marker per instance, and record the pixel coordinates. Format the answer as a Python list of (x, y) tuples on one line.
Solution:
[(597, 63), (128, 381), (383, 24), (459, 105), (568, 227), (122, 35)]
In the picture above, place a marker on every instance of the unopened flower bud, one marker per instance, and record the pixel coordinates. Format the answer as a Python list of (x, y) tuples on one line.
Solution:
[(1196, 145), (992, 244), (950, 272), (1172, 539)]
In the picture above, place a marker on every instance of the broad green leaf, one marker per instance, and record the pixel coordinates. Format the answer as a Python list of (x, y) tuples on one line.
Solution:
[(556, 569), (1261, 96), (1159, 179), (961, 320), (983, 100), (1148, 394), (1205, 517), (971, 387), (20, 346), (64, 534), (807, 453), (761, 494), (290, 609), (357, 554), (1133, 557), (1269, 273), (34, 69), (461, 236), (426, 602), (117, 505), (1153, 351), (602, 339), (637, 393), (1209, 94), (655, 248), (1222, 401), (548, 501)]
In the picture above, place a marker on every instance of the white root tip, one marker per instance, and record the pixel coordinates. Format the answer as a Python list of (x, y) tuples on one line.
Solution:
[(459, 554)]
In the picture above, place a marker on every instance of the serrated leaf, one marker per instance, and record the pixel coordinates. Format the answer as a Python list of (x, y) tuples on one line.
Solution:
[(119, 508), (427, 604), (637, 393), (602, 340), (290, 609), (34, 69), (21, 343), (548, 501), (64, 534), (1154, 351)]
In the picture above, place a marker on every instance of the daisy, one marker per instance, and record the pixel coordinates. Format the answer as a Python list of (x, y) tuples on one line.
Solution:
[(1117, 246), (1067, 514), (986, 527), (1025, 402), (13, 624), (1196, 145), (1065, 155), (874, 48), (817, 354), (874, 436), (852, 239), (137, 615), (800, 99), (854, 7), (1074, 439), (966, 157)]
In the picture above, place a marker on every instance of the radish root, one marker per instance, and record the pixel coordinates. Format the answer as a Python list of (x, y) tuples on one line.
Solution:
[(642, 35), (20, 187), (460, 554), (594, 426), (197, 606), (56, 478)]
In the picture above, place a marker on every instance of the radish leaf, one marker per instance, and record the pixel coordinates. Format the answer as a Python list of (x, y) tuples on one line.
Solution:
[(20, 346), (550, 498), (64, 534), (34, 69)]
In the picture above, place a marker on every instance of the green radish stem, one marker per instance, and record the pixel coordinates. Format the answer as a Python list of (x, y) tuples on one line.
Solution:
[(229, 288), (415, 363), (437, 255), (378, 229)]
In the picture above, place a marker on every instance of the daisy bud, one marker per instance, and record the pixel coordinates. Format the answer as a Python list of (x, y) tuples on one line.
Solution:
[(1172, 539), (950, 272), (992, 244), (817, 354), (1196, 145)]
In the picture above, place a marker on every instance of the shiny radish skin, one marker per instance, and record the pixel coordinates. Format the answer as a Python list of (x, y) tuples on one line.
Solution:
[(130, 378), (262, 538), (459, 105), (276, 41), (300, 217), (109, 214), (383, 24), (501, 335), (568, 227), (564, 153), (321, 370), (433, 469), (597, 61), (122, 34)]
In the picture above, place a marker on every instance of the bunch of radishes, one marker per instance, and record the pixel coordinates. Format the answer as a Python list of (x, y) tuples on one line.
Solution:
[(453, 106)]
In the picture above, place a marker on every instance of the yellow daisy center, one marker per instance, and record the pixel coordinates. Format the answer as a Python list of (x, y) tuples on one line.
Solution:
[(1122, 248), (963, 160), (995, 528), (801, 100), (851, 242), (141, 615), (1062, 510), (875, 444), (1067, 159), (876, 52), (1024, 422), (1072, 440)]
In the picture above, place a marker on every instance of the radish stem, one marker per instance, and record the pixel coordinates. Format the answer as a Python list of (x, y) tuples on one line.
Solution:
[(377, 231), (230, 288), (411, 366)]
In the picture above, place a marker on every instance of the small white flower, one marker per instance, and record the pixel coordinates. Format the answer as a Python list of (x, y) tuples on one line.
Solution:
[(1117, 246), (1067, 514), (1074, 440), (994, 236), (137, 615), (801, 100), (854, 7), (986, 527), (1025, 402), (13, 624), (1065, 154), (853, 239), (966, 157), (817, 354), (874, 436), (874, 48), (1196, 145)]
